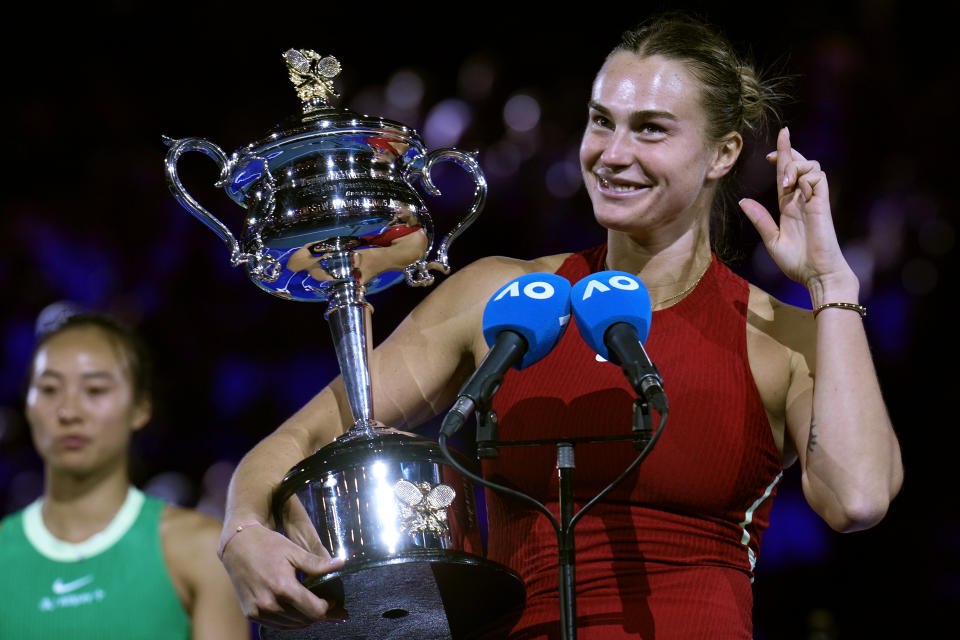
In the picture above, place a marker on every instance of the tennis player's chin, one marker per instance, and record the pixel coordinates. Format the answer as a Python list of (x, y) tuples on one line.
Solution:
[(619, 218)]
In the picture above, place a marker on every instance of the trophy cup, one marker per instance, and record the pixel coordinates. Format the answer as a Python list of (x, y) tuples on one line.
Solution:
[(331, 215)]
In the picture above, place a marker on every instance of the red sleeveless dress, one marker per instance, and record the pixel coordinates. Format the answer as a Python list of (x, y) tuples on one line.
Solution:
[(670, 553)]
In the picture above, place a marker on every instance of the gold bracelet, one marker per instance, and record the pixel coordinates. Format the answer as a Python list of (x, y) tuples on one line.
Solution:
[(240, 527), (849, 306)]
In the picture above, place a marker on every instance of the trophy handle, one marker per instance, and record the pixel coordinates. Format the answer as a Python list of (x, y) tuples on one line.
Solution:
[(261, 265), (418, 274)]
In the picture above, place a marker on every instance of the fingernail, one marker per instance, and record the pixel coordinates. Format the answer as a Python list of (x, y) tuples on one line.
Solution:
[(740, 201), (771, 154), (785, 182)]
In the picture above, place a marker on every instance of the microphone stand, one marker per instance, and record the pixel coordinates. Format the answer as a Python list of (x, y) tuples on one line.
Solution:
[(488, 445), (565, 543)]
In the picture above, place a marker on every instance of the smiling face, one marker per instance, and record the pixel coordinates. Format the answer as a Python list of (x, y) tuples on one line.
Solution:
[(647, 162), (81, 404)]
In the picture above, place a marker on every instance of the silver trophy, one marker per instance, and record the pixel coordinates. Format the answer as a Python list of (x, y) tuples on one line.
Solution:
[(331, 215)]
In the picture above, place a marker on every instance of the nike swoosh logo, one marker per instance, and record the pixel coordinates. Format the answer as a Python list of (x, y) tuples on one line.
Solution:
[(60, 587)]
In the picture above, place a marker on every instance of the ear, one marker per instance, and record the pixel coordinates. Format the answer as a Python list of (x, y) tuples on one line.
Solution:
[(728, 150), (142, 411)]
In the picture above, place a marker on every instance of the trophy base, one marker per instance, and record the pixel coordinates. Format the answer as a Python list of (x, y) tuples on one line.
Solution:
[(451, 597)]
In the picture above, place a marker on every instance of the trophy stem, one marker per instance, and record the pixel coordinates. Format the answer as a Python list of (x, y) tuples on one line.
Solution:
[(348, 315)]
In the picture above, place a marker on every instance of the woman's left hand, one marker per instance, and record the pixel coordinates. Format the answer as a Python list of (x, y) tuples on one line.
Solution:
[(804, 245)]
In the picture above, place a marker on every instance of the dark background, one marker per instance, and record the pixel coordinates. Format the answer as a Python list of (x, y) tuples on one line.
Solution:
[(87, 219)]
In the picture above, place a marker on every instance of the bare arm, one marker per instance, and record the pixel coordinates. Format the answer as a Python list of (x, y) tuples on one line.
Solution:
[(189, 544), (415, 374), (835, 415), (261, 563), (849, 455)]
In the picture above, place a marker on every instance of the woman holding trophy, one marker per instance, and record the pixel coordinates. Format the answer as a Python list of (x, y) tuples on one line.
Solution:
[(94, 557), (756, 385)]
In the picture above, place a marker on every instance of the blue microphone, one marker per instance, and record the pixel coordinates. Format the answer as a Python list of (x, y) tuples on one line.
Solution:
[(522, 322), (613, 313)]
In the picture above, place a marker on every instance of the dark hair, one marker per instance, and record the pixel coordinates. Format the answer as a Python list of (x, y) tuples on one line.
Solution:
[(132, 348), (735, 96)]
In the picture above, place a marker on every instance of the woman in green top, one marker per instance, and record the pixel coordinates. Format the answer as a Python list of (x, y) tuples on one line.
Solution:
[(94, 557)]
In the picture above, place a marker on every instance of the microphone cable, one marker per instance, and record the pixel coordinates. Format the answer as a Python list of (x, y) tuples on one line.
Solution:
[(539, 506)]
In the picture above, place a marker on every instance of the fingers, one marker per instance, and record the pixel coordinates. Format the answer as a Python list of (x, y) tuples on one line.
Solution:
[(292, 610), (282, 601), (794, 172), (784, 153), (287, 601), (809, 181), (316, 564), (279, 600), (761, 219), (300, 529), (784, 150), (263, 567), (803, 176)]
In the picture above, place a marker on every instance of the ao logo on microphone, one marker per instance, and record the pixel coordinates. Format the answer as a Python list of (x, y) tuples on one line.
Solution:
[(536, 306), (538, 290), (619, 281), (603, 299)]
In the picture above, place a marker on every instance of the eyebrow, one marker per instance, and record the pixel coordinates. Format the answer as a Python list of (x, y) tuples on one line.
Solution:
[(642, 114), (91, 375)]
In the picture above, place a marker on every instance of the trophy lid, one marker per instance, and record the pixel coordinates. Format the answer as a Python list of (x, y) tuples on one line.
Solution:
[(312, 76), (326, 191)]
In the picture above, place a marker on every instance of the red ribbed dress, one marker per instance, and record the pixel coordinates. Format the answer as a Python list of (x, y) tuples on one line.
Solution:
[(670, 553)]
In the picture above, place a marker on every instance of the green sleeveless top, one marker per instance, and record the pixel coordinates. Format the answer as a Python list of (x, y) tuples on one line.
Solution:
[(113, 585)]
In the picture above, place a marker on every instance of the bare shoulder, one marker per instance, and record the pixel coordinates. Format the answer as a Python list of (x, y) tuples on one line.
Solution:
[(550, 263), (439, 344), (464, 294), (189, 539), (492, 272), (188, 526)]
